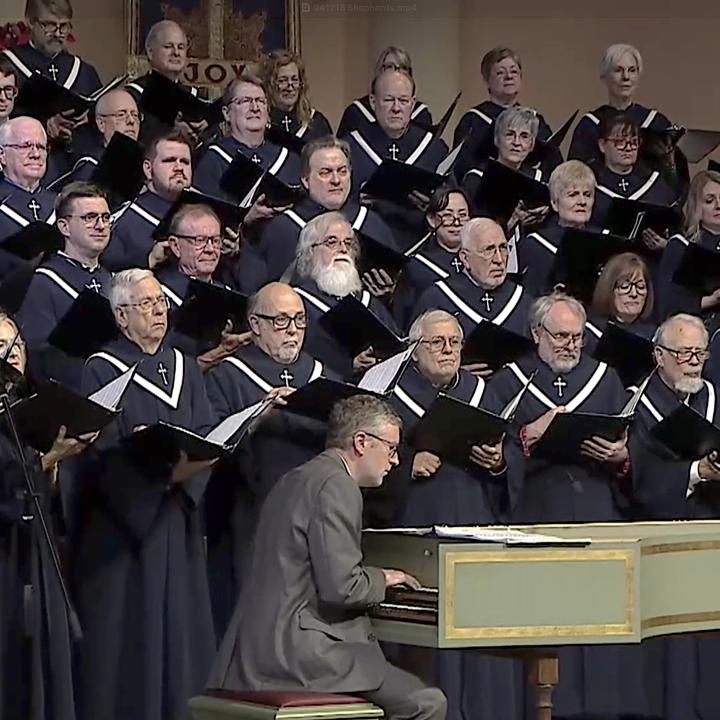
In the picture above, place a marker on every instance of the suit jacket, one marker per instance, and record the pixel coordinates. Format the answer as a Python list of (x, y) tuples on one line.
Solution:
[(301, 620)]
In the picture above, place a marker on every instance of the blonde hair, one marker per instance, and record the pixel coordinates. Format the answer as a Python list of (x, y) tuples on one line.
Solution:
[(693, 204), (272, 63)]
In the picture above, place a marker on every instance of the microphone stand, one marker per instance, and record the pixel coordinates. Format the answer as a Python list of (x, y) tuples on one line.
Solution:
[(73, 622)]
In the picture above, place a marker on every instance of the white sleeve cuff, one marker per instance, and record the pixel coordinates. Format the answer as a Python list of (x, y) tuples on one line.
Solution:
[(693, 478)]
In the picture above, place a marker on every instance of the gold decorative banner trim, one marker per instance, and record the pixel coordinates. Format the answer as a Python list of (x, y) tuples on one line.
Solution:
[(680, 547), (681, 619)]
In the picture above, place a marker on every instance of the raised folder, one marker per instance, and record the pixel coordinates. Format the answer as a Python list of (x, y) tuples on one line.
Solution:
[(631, 355), (120, 169), (628, 218), (396, 181), (246, 181), (88, 324), (494, 345), (35, 239), (698, 269), (164, 99), (687, 434)]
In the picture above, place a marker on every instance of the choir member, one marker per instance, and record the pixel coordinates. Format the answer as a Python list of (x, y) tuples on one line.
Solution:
[(360, 113), (436, 256), (669, 487), (8, 89), (138, 558), (83, 219), (620, 175), (115, 111), (273, 366), (482, 291), (326, 174), (289, 90), (702, 226), (36, 658), (23, 160), (245, 109), (623, 294), (620, 70), (326, 266), (302, 622), (50, 23), (166, 47), (572, 196), (394, 136), (501, 70), (596, 681), (168, 171)]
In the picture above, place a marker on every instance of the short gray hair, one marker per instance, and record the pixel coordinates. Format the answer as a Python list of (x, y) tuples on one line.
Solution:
[(431, 317), (313, 233), (516, 117), (123, 283), (614, 53), (360, 413), (156, 29), (660, 336), (542, 306), (467, 233), (569, 174), (7, 129)]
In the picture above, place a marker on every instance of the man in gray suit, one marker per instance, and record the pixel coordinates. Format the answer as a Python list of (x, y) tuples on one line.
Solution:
[(301, 621)]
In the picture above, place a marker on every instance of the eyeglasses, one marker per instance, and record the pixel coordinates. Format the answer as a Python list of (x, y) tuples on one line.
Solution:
[(147, 305), (437, 344), (9, 91), (448, 219), (90, 219), (27, 147), (201, 241), (489, 252), (683, 357), (282, 321), (335, 243), (288, 82), (624, 143), (392, 448), (626, 286), (124, 115), (565, 338), (248, 101), (50, 27)]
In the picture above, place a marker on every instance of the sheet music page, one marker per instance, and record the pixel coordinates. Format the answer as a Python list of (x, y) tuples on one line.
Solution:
[(632, 403), (221, 433), (115, 82), (109, 396), (446, 165), (503, 535), (380, 377)]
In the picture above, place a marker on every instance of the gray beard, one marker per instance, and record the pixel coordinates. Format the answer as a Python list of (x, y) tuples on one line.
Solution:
[(689, 385), (338, 279), (558, 366)]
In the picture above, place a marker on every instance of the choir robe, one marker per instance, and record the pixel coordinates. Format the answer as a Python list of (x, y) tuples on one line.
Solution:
[(594, 681), (35, 648), (131, 239), (138, 561), (682, 668), (640, 184), (369, 147), (507, 305), (358, 115), (54, 287), (472, 182), (480, 121), (279, 442), (478, 686), (20, 207), (584, 143), (536, 253), (429, 262), (280, 236), (278, 161), (672, 297), (595, 329), (321, 344), (318, 126)]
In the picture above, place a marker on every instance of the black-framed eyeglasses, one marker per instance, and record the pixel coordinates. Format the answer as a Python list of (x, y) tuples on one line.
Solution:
[(449, 219), (565, 338), (27, 147), (50, 27), (90, 219), (147, 305), (282, 321), (624, 143), (438, 344), (284, 82), (682, 357), (9, 92), (627, 286), (201, 241), (392, 447), (124, 115)]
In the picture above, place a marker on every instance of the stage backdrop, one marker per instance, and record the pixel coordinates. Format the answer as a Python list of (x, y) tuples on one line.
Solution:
[(223, 35)]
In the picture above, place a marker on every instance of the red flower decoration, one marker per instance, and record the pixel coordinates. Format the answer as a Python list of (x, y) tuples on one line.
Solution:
[(14, 34)]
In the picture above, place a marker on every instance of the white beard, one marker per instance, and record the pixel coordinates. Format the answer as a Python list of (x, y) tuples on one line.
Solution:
[(689, 385), (338, 279), (557, 365)]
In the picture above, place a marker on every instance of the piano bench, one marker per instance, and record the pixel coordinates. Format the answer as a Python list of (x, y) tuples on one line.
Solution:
[(281, 705)]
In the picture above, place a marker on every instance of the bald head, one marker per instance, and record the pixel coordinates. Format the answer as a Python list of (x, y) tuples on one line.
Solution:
[(26, 165), (484, 252), (116, 111), (166, 46), (392, 99), (268, 310)]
